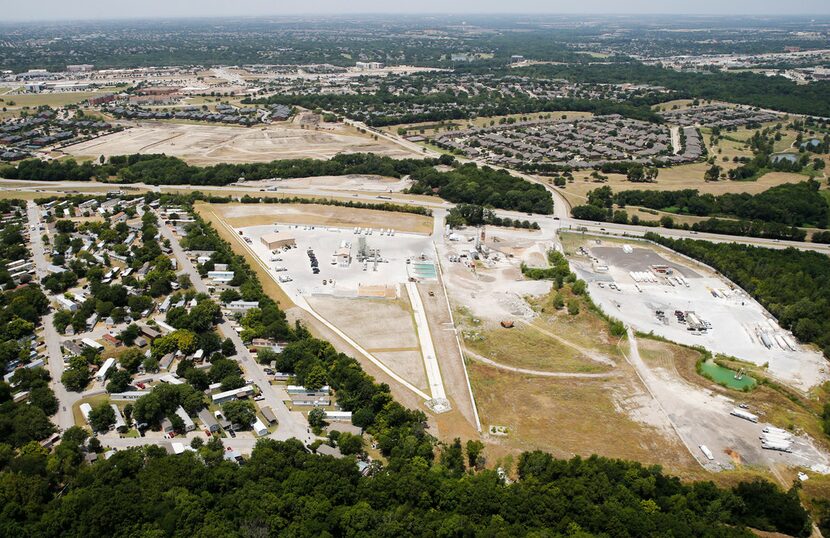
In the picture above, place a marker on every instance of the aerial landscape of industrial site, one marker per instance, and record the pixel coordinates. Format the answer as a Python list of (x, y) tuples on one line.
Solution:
[(328, 273)]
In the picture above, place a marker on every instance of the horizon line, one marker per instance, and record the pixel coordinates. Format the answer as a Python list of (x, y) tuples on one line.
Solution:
[(414, 14)]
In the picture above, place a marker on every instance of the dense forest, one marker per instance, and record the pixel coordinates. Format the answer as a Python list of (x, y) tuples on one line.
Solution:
[(485, 186), (156, 169), (476, 215), (790, 283), (283, 490), (774, 214)]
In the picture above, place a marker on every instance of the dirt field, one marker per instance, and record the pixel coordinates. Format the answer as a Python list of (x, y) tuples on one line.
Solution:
[(242, 215), (390, 336), (391, 326), (211, 144), (352, 182)]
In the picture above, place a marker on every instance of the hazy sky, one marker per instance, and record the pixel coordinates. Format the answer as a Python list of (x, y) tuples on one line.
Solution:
[(97, 9)]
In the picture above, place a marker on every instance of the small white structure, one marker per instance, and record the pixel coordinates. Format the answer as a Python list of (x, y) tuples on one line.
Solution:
[(67, 304), (188, 422), (746, 415), (101, 374), (338, 415), (165, 328), (259, 427), (241, 306), (89, 342), (120, 425), (170, 379), (86, 409), (220, 276), (233, 394)]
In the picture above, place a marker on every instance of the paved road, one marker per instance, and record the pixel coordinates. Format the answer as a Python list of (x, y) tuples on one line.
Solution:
[(549, 224), (430, 357), (67, 399), (291, 424)]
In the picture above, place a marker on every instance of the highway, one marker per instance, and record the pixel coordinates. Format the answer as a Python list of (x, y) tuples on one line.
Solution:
[(561, 218)]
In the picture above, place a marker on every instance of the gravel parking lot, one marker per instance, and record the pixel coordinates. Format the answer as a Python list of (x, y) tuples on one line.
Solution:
[(737, 321)]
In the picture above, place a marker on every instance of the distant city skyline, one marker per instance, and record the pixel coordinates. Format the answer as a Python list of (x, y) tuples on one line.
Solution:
[(106, 9)]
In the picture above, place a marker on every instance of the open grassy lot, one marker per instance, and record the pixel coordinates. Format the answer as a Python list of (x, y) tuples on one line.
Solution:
[(585, 330), (570, 417), (526, 347), (688, 176), (34, 100), (91, 400), (676, 104)]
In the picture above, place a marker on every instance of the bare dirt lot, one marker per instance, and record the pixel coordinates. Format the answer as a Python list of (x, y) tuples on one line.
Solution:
[(211, 144), (352, 182), (383, 327), (242, 215)]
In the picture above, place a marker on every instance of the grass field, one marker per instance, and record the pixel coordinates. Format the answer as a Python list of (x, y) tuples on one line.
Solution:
[(569, 418), (525, 347), (34, 100), (91, 400), (676, 104), (688, 176)]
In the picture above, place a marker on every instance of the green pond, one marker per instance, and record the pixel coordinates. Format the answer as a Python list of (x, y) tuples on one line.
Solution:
[(725, 376)]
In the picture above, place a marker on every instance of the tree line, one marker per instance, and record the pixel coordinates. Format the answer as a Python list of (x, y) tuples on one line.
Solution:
[(790, 202), (794, 204), (465, 183), (777, 93), (484, 186), (476, 215)]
